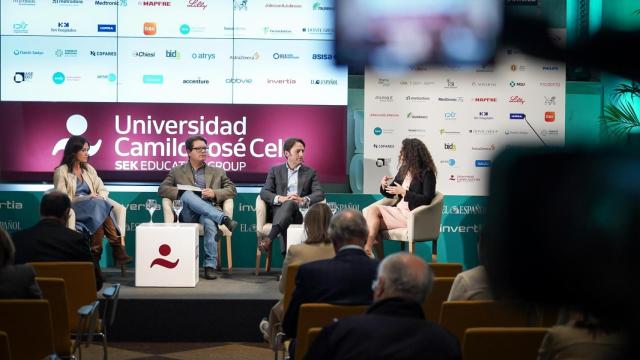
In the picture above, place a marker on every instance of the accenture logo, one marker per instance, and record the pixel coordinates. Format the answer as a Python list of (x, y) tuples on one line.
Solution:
[(197, 81)]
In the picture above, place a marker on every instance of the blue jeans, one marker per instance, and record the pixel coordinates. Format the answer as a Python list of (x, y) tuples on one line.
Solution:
[(195, 209)]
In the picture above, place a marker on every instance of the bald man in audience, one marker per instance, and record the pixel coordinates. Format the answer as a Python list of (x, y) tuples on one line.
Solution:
[(394, 327)]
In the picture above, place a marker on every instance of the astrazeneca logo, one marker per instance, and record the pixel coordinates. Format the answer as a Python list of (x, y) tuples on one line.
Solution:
[(102, 53), (238, 81), (322, 56), (146, 54), (21, 77), (517, 116), (491, 147), (255, 56), (550, 100), (106, 28), (324, 82), (450, 146), (281, 56)]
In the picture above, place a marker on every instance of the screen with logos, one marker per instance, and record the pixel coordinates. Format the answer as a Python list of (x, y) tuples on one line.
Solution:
[(152, 73)]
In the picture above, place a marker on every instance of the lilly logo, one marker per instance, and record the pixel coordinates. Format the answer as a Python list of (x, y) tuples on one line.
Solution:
[(76, 125), (164, 250)]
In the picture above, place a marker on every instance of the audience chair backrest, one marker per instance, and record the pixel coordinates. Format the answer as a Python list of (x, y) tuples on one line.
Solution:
[(458, 316), (502, 343), (28, 324), (445, 269), (318, 315), (438, 294), (55, 291), (5, 350), (312, 334), (289, 285), (80, 281)]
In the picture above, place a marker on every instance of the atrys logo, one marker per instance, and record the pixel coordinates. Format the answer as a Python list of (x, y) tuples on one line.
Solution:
[(76, 125), (517, 116), (203, 56), (550, 116), (516, 99)]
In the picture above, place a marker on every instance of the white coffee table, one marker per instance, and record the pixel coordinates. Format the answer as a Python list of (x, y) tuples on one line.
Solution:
[(167, 255)]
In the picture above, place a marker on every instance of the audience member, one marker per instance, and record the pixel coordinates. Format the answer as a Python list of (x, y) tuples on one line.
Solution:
[(18, 281), (394, 327), (345, 279), (317, 246), (472, 284), (582, 336), (51, 240)]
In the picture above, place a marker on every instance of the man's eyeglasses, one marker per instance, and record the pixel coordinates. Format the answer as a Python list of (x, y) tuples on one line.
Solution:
[(200, 148)]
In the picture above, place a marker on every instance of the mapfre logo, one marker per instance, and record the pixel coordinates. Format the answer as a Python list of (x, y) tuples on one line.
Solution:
[(485, 99)]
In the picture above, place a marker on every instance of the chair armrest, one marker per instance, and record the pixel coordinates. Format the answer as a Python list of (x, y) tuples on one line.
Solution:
[(167, 210), (227, 207), (71, 222), (261, 213), (384, 201), (88, 317), (111, 295), (423, 222)]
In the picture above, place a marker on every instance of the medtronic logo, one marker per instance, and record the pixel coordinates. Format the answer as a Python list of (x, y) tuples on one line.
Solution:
[(106, 28), (377, 131), (58, 78), (517, 116), (483, 163)]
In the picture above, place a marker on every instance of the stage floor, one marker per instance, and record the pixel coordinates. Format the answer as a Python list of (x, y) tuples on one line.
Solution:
[(241, 284)]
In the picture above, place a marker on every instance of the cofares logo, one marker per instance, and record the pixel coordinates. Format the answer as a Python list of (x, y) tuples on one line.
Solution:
[(550, 116), (20, 77), (517, 116), (516, 100), (323, 57), (150, 28), (384, 146), (58, 78), (111, 77), (102, 53), (106, 28), (450, 146), (76, 125), (483, 163)]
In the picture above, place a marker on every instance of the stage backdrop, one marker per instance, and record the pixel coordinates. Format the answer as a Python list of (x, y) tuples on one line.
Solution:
[(462, 218), (144, 141), (464, 116)]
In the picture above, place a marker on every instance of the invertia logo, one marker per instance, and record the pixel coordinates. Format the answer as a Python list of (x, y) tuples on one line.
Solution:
[(516, 99), (281, 81), (550, 116), (485, 99), (150, 28)]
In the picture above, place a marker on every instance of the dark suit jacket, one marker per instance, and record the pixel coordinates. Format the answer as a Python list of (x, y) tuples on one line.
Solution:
[(393, 328), (50, 240), (18, 282), (214, 178), (278, 179), (421, 191), (345, 279)]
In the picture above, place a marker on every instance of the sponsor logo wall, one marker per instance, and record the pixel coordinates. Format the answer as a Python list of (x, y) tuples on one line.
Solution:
[(170, 52), (464, 116)]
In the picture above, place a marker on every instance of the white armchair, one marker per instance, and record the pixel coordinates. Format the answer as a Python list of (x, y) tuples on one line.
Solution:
[(119, 211), (423, 223), (227, 209)]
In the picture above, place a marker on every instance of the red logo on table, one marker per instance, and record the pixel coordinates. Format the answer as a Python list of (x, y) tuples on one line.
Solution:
[(164, 250), (550, 116)]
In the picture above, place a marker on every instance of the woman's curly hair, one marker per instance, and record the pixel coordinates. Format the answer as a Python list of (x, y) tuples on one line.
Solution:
[(415, 158)]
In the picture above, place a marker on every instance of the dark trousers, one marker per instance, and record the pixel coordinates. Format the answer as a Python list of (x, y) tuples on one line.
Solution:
[(284, 215)]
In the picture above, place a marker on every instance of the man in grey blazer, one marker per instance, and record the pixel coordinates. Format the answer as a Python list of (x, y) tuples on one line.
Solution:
[(287, 186), (203, 206)]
